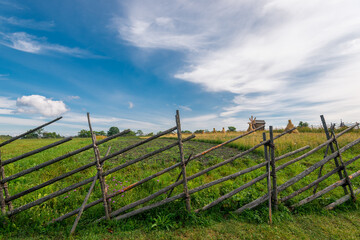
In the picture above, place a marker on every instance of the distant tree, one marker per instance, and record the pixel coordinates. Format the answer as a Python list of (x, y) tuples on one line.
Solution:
[(198, 131), (150, 134), (129, 134), (139, 133), (99, 133), (84, 133), (36, 134), (113, 131), (232, 129), (185, 131), (50, 135), (303, 124)]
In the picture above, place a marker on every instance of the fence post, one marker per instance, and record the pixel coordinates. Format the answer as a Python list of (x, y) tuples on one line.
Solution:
[(86, 199), (267, 159), (5, 186), (348, 181), (332, 150), (273, 168), (100, 170), (181, 149), (2, 198)]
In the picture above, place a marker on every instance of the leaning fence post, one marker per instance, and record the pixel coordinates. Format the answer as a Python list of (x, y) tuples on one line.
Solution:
[(332, 150), (267, 159), (273, 168), (181, 149), (99, 169), (347, 179), (5, 186), (86, 199), (2, 198)]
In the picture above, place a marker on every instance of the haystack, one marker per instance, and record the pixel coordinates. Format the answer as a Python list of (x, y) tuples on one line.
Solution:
[(223, 130), (290, 126), (214, 131), (250, 128)]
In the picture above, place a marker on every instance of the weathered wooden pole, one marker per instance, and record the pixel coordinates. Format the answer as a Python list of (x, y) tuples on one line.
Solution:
[(86, 199), (332, 149), (2, 198), (273, 168), (99, 169), (181, 149), (5, 186), (321, 168), (268, 167), (348, 181)]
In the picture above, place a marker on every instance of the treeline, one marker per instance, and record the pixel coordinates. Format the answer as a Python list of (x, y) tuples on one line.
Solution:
[(112, 131), (42, 134)]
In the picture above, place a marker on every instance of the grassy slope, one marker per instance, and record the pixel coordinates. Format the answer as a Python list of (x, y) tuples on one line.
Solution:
[(308, 221)]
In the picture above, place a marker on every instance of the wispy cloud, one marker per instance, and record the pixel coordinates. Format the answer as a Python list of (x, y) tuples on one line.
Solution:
[(185, 108), (4, 76), (28, 23), (131, 105), (29, 43), (70, 98), (279, 57)]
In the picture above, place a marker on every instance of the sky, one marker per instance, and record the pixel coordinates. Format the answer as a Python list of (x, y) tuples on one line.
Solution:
[(132, 64)]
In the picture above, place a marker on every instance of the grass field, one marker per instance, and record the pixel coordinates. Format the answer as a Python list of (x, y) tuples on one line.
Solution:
[(171, 221)]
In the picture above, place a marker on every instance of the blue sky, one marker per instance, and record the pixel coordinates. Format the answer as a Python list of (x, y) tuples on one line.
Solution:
[(131, 64)]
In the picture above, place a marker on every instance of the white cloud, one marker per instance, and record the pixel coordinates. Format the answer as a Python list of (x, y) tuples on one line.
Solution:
[(279, 57), (131, 105), (36, 104), (28, 43)]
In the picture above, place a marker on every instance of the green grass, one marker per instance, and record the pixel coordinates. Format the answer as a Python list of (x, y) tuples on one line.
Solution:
[(171, 221)]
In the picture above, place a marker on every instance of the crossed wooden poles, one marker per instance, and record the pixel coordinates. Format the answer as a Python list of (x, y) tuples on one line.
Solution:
[(270, 174)]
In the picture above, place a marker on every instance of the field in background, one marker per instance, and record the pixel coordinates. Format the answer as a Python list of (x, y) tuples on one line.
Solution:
[(171, 220), (287, 143)]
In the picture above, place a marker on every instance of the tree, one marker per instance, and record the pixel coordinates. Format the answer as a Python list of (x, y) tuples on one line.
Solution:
[(36, 134), (84, 133), (199, 131), (185, 131), (50, 135), (131, 133), (232, 129), (139, 133), (112, 131), (99, 133), (303, 124)]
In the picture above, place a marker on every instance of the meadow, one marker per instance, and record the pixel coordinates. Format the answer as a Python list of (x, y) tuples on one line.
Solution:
[(171, 221)]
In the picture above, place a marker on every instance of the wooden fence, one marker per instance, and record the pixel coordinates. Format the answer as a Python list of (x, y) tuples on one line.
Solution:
[(269, 165)]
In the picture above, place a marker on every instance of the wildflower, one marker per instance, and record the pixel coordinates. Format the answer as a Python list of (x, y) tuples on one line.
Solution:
[(113, 201), (122, 195)]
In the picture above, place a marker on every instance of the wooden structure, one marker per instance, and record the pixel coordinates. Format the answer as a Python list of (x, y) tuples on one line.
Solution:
[(269, 173), (254, 124)]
